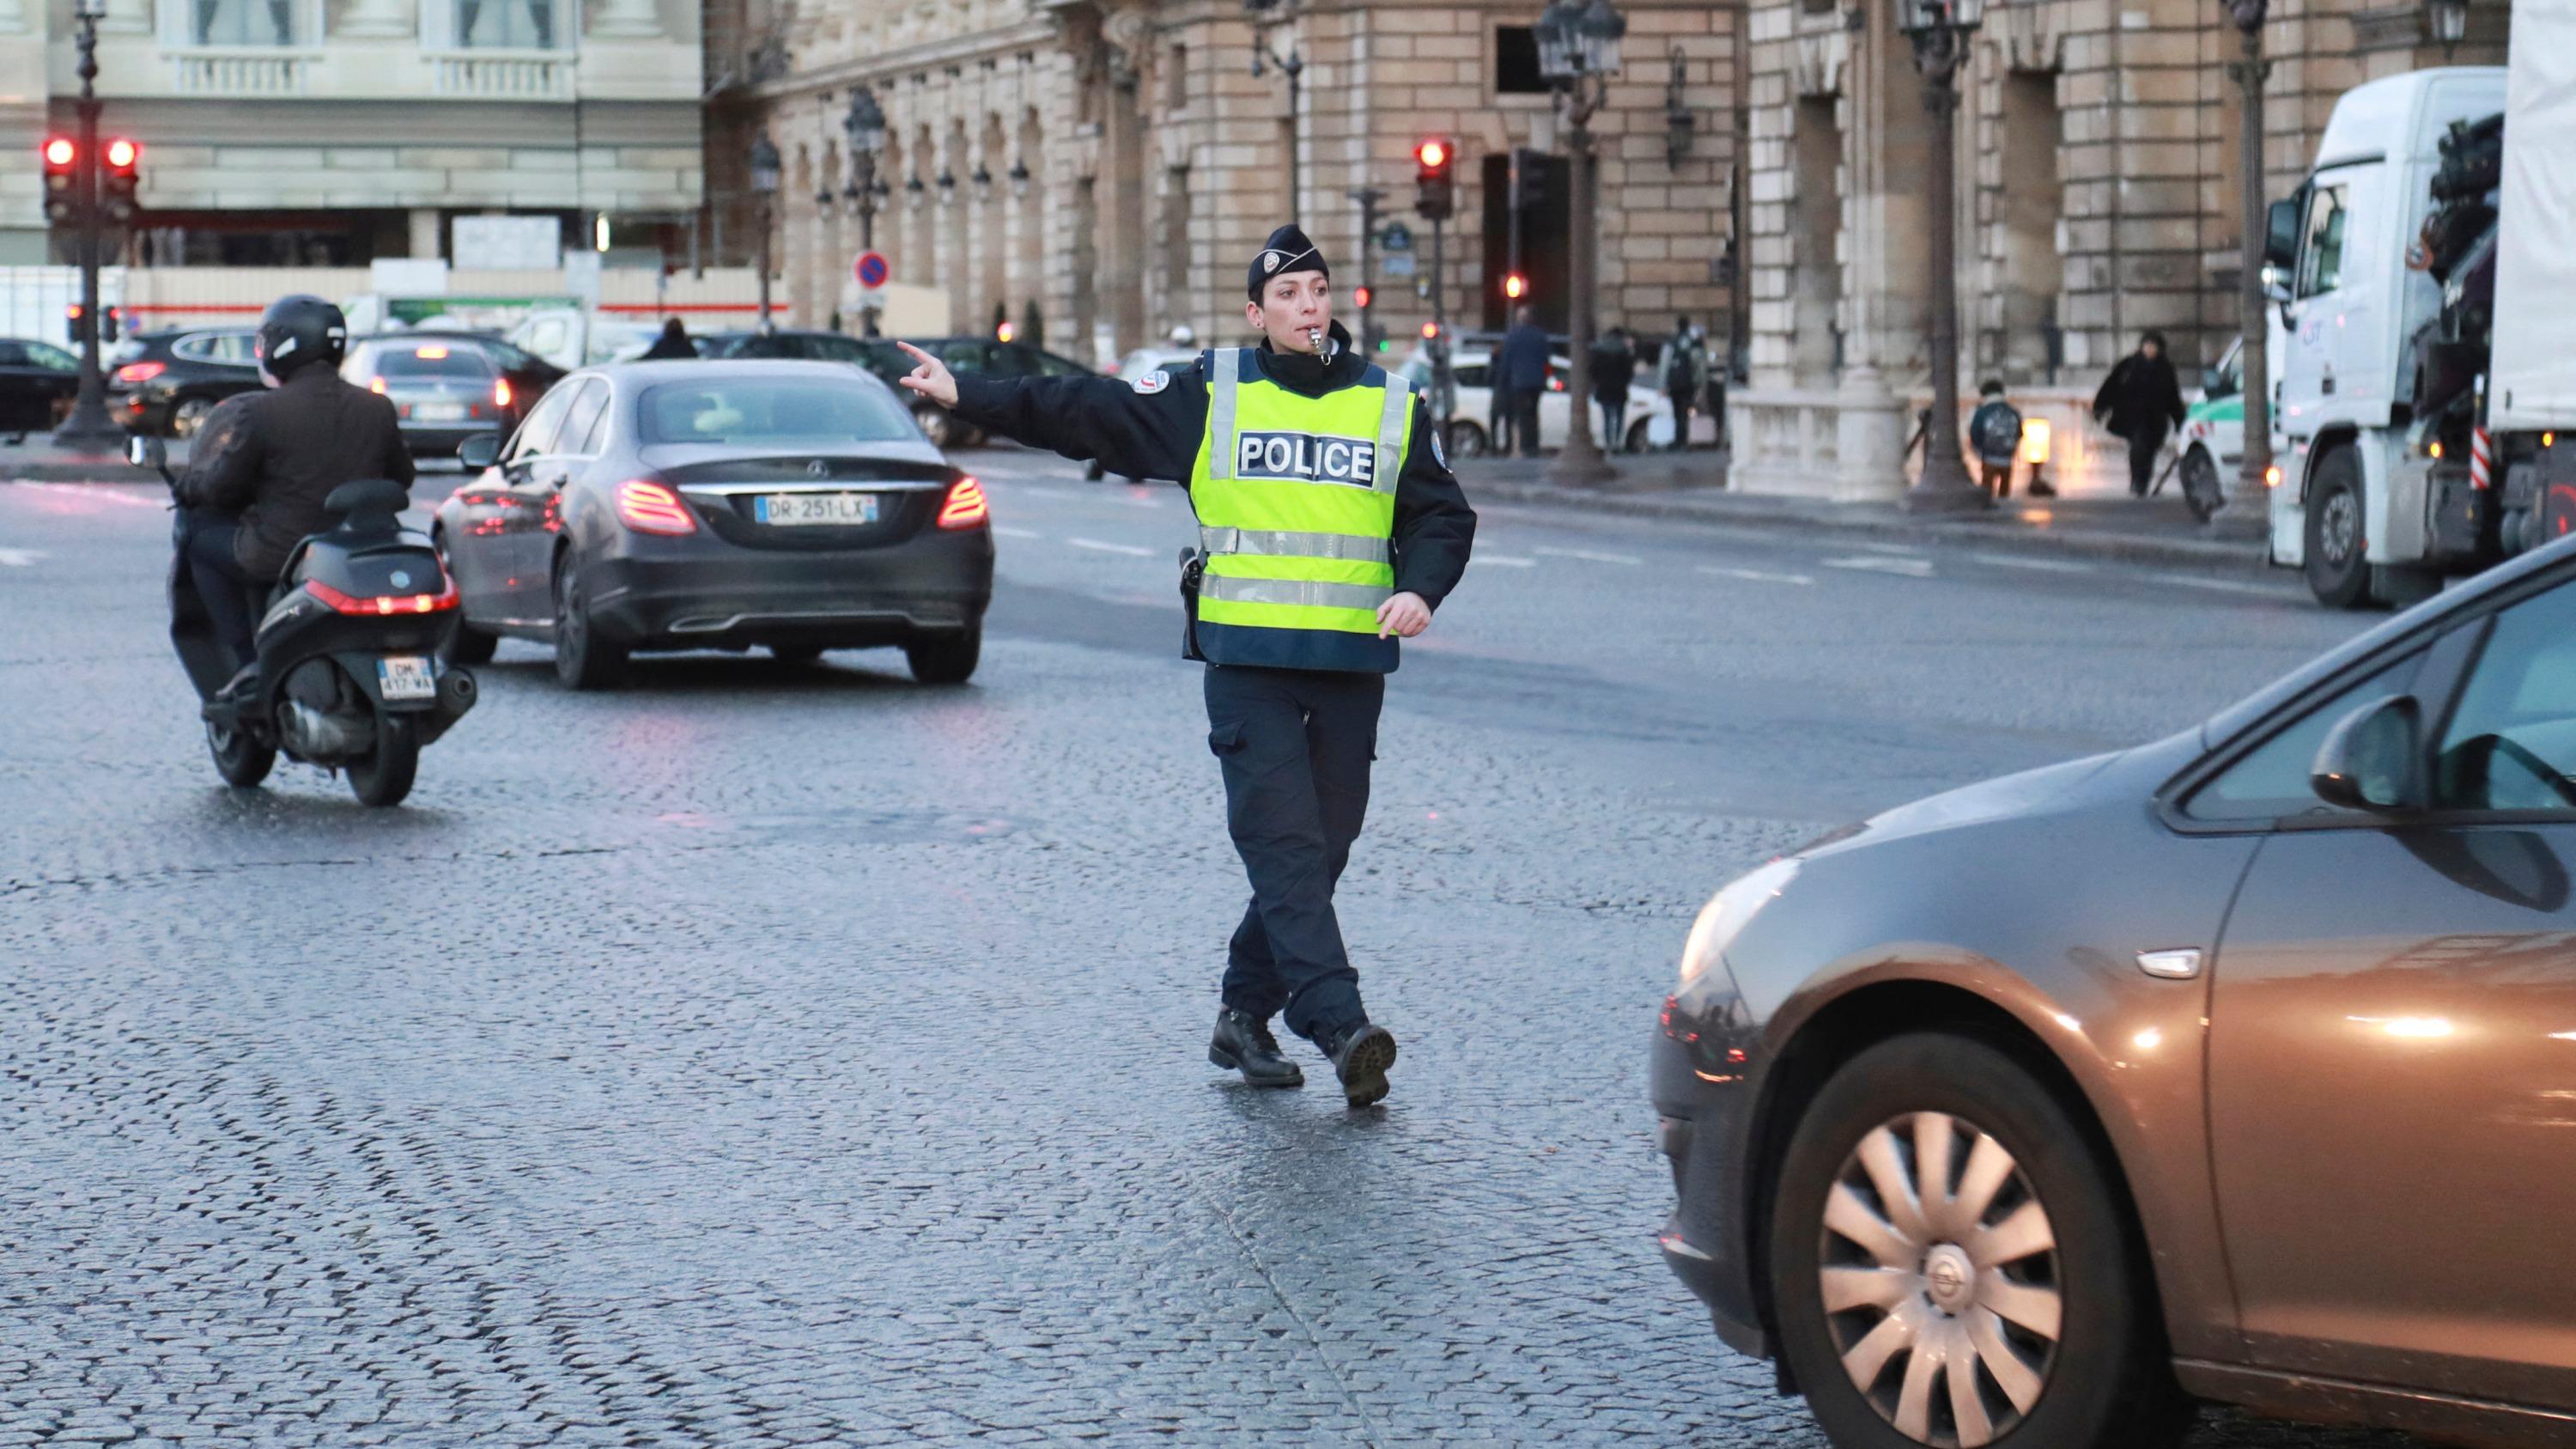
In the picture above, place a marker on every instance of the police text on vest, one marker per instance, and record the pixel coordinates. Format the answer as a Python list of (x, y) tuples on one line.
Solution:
[(1306, 458)]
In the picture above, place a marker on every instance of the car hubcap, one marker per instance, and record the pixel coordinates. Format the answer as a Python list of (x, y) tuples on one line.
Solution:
[(1939, 1270), (2343, 527)]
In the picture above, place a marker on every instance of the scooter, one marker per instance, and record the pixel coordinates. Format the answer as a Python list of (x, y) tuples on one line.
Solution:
[(349, 674)]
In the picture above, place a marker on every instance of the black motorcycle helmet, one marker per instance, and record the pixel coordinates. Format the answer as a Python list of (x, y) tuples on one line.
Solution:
[(299, 330)]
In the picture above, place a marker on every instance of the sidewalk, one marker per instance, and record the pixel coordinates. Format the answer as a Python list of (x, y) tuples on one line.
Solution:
[(37, 460), (1687, 488)]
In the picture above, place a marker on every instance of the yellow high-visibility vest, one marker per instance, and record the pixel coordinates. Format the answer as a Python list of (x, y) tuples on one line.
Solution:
[(1295, 498)]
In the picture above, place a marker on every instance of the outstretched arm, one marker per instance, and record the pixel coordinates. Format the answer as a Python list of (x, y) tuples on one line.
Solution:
[(1146, 429)]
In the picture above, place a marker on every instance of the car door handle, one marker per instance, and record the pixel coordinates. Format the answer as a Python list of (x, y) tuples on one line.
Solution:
[(2174, 965)]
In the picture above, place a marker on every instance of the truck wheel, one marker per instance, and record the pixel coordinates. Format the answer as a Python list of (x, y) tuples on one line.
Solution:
[(2338, 564)]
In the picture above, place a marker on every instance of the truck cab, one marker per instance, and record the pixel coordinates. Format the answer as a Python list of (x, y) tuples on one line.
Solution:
[(2354, 506)]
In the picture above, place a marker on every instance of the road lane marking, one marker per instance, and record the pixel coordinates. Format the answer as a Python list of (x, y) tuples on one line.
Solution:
[(1911, 568), (1502, 560), (999, 531), (108, 492), (2044, 565), (1037, 491), (1756, 576), (1589, 556), (1903, 548), (1129, 549), (19, 558), (2231, 586)]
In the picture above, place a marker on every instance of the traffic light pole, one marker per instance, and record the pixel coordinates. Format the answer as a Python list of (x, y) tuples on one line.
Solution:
[(89, 427), (1441, 391), (1368, 197)]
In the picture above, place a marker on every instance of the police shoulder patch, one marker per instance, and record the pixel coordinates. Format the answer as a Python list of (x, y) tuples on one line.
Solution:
[(1151, 383), (1439, 455)]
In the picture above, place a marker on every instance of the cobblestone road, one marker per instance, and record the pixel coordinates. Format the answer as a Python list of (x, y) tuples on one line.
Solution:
[(762, 1055)]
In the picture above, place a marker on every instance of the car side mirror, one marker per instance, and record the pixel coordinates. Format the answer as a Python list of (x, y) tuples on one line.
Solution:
[(2281, 232), (146, 452), (2372, 760), (480, 451), (2215, 384)]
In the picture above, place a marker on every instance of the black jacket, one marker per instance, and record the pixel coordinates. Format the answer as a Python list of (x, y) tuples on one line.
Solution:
[(2140, 397), (670, 347), (1156, 434), (273, 456)]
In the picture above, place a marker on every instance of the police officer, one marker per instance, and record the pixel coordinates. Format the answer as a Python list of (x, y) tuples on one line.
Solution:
[(1331, 528), (264, 462)]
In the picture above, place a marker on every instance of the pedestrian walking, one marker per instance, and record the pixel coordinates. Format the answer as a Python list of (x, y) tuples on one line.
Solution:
[(673, 345), (2141, 401), (1614, 368), (1994, 430), (1521, 374), (1330, 528), (1685, 374)]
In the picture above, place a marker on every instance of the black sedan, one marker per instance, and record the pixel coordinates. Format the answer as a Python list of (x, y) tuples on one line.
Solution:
[(719, 505), (37, 381), (165, 384), (445, 389), (2238, 1066)]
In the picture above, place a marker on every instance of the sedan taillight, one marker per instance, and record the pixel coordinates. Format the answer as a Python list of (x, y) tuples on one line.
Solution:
[(965, 507), (649, 507), (137, 372)]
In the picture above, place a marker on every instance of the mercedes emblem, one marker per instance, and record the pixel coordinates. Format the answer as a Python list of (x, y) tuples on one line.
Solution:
[(819, 469)]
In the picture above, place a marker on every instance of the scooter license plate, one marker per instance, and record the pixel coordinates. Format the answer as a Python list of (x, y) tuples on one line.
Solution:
[(406, 677)]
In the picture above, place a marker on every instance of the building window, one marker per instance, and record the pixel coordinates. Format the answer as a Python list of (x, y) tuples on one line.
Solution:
[(1516, 71), (505, 24), (1176, 80), (267, 23)]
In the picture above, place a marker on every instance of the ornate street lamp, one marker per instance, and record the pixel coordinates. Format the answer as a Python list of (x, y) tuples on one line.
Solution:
[(983, 183), (1679, 121), (916, 193), (947, 184), (1019, 179), (1939, 31), (764, 188), (1578, 48), (89, 427), (864, 129), (2247, 511), (2449, 21)]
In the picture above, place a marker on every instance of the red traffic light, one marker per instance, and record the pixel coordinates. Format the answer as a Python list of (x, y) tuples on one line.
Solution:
[(1515, 286), (1433, 154), (1430, 331), (1362, 296), (59, 150), (122, 154)]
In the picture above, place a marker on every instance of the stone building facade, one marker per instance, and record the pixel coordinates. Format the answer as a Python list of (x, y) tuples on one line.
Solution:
[(1112, 164), (2098, 150)]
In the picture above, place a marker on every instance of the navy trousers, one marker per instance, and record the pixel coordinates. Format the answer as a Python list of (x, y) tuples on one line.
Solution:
[(1295, 746), (207, 541)]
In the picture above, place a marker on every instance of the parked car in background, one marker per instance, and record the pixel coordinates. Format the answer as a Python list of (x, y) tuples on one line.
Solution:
[(2213, 434), (165, 383), (784, 344), (37, 382), (444, 389), (569, 337), (2264, 1098), (1470, 375), (719, 505)]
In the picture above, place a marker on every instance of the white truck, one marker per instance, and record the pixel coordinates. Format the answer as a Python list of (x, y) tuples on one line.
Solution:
[(2425, 277)]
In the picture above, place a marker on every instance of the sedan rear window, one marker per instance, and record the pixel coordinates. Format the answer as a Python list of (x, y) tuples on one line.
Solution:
[(771, 409), (431, 359)]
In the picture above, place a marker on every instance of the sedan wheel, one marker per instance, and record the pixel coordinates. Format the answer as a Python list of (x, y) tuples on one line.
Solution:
[(1952, 1267), (583, 660), (190, 415)]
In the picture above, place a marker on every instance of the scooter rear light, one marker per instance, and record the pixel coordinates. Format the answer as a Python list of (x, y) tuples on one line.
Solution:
[(965, 507), (649, 507), (139, 372), (384, 604)]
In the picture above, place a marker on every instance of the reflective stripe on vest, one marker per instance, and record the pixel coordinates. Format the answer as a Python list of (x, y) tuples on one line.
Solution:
[(1296, 503)]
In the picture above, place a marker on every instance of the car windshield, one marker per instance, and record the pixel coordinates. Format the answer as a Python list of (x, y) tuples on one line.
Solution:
[(431, 359), (770, 410)]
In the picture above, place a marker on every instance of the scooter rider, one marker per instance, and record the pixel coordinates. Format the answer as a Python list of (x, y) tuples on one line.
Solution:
[(262, 465), (1331, 528)]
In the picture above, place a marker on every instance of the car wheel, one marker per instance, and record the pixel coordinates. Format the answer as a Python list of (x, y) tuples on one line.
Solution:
[(946, 658), (1466, 440), (2201, 490), (1951, 1266), (384, 777), (941, 429), (1637, 435), (2338, 561), (240, 759), (583, 660), (190, 415)]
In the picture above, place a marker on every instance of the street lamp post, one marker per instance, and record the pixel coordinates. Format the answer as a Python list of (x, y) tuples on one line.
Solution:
[(2247, 511), (864, 128), (1939, 31), (89, 426), (764, 187), (1291, 65), (1578, 53), (2449, 22)]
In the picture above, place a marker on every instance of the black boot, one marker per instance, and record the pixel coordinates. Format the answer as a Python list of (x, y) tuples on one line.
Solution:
[(1361, 1055), (1243, 1043)]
